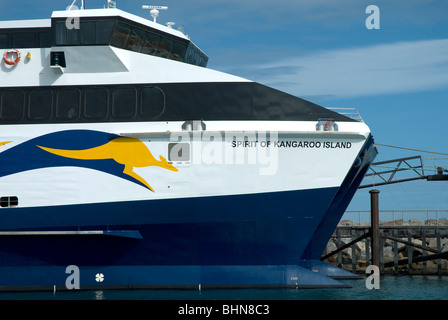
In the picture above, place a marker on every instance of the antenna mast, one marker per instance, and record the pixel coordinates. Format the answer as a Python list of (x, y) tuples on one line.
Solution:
[(82, 5), (155, 10)]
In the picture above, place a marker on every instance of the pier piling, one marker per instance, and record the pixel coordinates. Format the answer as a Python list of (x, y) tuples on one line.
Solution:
[(374, 229)]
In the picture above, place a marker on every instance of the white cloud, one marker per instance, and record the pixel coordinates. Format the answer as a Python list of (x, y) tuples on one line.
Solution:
[(380, 69)]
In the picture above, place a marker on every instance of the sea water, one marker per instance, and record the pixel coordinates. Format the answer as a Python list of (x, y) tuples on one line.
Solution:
[(397, 297), (391, 287)]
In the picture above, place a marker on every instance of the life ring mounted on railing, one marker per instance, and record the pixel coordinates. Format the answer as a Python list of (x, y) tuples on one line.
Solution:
[(328, 124), (12, 57)]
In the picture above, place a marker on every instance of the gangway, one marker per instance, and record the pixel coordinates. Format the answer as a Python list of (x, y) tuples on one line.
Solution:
[(402, 170), (389, 172)]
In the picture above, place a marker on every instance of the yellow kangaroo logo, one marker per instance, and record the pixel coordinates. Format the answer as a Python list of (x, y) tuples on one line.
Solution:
[(4, 142), (130, 152)]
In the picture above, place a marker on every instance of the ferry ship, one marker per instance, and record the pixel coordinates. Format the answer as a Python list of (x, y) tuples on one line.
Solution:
[(126, 163)]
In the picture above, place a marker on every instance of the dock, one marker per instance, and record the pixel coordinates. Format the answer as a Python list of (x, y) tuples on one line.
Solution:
[(405, 246), (406, 242)]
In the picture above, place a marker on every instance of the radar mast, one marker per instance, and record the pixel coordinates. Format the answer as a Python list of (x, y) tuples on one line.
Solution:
[(154, 10)]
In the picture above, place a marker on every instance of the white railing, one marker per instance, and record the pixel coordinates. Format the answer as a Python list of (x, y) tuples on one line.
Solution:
[(439, 166), (348, 112)]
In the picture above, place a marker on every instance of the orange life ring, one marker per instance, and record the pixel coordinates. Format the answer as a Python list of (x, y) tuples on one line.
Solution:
[(327, 125), (10, 61)]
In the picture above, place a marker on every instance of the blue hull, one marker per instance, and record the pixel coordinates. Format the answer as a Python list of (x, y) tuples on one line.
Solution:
[(271, 239)]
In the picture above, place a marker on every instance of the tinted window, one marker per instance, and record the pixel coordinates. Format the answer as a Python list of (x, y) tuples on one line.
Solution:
[(11, 105), (40, 105), (67, 104), (87, 32), (135, 41), (123, 103), (152, 102), (95, 102), (195, 56), (103, 31), (44, 39), (151, 43), (178, 51), (164, 49), (65, 36), (23, 40), (72, 36), (120, 35), (191, 55), (95, 32), (60, 33), (4, 43)]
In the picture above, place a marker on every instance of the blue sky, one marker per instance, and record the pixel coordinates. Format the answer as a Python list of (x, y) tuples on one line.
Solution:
[(321, 50)]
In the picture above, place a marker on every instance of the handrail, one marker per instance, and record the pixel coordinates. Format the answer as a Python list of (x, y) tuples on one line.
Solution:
[(349, 112)]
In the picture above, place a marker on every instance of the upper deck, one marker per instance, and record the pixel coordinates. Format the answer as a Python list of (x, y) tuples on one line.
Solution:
[(106, 65), (96, 27)]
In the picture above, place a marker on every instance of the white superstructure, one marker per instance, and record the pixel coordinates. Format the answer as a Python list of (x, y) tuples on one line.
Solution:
[(280, 155)]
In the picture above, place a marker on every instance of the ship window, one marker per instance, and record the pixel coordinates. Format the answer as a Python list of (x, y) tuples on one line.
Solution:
[(178, 51), (164, 49), (95, 101), (26, 38), (4, 41), (103, 31), (151, 43), (152, 102), (135, 41), (72, 36), (178, 151), (123, 103), (23, 40), (89, 33), (40, 105), (129, 37), (87, 29), (11, 106), (67, 104), (195, 56), (60, 33), (44, 39), (6, 202), (95, 32), (65, 36), (120, 35)]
